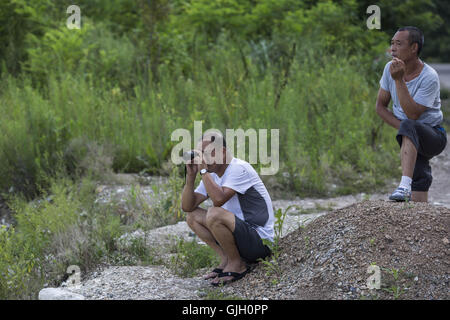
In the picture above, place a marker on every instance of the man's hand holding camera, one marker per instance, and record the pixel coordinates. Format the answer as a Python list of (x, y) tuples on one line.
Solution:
[(195, 163)]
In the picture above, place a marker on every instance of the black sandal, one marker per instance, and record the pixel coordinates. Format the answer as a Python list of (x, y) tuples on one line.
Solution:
[(216, 270), (236, 276)]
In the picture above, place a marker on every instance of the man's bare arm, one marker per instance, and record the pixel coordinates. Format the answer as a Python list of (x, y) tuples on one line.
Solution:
[(412, 109), (219, 195), (383, 99), (190, 199)]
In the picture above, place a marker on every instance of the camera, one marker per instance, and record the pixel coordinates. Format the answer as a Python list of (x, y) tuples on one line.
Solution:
[(190, 155)]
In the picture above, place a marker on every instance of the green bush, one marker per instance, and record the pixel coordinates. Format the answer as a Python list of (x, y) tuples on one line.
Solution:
[(92, 51), (66, 226), (191, 256), (18, 267)]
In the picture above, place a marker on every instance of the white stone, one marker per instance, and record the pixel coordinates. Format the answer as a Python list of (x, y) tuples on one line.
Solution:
[(58, 294)]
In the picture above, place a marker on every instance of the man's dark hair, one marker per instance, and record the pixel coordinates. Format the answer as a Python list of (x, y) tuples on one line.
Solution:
[(213, 136), (414, 36)]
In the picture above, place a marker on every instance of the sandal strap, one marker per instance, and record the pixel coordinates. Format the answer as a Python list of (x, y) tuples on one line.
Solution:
[(235, 275), (230, 274)]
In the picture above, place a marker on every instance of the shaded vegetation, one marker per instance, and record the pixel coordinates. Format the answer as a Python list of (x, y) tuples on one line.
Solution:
[(78, 105)]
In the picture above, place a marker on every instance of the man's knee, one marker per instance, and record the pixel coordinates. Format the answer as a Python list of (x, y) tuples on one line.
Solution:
[(419, 196), (190, 218), (408, 124), (194, 216), (213, 216), (408, 129)]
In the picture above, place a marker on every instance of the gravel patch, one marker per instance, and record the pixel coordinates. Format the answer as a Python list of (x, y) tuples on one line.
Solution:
[(329, 258), (138, 283)]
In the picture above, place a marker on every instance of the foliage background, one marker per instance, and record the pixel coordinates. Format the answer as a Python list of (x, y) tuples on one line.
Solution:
[(138, 69), (79, 104)]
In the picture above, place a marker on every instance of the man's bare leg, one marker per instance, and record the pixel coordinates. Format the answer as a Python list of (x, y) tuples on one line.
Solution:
[(419, 196), (408, 153), (222, 223), (196, 220), (409, 156)]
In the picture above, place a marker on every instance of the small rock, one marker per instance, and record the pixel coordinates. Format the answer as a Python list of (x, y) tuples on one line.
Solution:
[(445, 241), (99, 189)]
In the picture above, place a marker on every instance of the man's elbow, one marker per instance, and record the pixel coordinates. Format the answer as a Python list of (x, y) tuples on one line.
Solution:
[(186, 208), (414, 115), (218, 202), (379, 109)]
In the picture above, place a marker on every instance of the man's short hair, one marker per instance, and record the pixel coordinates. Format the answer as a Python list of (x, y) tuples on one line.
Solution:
[(414, 36), (215, 137)]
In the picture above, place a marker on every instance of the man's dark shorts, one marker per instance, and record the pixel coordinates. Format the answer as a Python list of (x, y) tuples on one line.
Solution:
[(429, 141), (248, 242)]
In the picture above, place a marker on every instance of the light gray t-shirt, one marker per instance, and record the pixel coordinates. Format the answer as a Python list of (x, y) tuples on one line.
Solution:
[(251, 202), (424, 89)]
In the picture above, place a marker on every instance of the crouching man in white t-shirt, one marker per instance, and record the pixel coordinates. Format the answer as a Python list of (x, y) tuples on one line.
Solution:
[(242, 212)]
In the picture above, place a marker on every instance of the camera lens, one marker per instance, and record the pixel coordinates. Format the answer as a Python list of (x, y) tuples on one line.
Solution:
[(189, 155)]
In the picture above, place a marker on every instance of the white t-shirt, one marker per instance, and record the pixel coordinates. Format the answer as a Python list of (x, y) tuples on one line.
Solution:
[(424, 89), (251, 202)]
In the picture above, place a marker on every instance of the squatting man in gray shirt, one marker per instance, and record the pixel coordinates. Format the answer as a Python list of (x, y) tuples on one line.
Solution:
[(242, 212), (414, 88)]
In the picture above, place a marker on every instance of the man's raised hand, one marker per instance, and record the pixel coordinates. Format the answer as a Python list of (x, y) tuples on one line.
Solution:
[(397, 69), (193, 166)]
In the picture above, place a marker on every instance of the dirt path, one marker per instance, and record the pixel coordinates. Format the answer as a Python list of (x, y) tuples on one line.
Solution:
[(439, 193), (443, 69), (440, 188)]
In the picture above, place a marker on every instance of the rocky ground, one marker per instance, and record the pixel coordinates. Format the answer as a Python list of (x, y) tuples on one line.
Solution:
[(159, 282), (138, 283), (329, 258)]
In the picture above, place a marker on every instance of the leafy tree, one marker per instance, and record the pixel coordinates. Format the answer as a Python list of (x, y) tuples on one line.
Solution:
[(427, 15)]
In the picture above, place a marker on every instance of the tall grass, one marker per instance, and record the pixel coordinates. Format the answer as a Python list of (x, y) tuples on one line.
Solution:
[(329, 131)]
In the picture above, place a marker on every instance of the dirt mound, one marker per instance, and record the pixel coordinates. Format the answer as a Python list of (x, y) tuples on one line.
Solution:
[(329, 258)]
